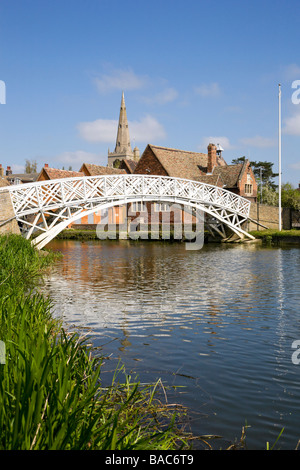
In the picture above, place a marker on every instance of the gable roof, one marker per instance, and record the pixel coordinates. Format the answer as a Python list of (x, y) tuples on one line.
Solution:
[(128, 164), (231, 174), (54, 173), (94, 170), (180, 163)]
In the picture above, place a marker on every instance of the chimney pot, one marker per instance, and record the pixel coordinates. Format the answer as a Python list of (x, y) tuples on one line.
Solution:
[(46, 165)]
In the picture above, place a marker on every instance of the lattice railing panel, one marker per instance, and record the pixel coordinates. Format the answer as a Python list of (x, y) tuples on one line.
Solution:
[(57, 193), (94, 188)]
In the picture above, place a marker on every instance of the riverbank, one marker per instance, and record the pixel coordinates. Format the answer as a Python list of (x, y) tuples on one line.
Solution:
[(91, 234), (50, 382), (276, 237), (270, 237)]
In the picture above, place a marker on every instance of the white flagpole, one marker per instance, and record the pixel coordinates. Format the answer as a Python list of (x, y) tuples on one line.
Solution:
[(279, 161)]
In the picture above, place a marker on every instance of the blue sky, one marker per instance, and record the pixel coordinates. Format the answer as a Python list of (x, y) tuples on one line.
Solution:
[(192, 71)]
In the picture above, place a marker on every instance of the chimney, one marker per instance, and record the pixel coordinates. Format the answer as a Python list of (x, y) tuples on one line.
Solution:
[(8, 171), (212, 157), (136, 154), (1, 170), (46, 165)]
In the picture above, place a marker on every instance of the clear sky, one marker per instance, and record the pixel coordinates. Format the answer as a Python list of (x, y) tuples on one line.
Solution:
[(192, 71)]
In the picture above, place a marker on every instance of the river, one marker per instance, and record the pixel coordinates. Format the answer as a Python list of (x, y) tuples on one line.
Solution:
[(216, 325)]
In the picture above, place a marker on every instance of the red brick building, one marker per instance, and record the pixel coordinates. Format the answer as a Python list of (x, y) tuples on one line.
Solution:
[(208, 168), (115, 214)]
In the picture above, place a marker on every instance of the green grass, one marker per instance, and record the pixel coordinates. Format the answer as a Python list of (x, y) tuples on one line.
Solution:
[(273, 236), (275, 233), (84, 234), (50, 384)]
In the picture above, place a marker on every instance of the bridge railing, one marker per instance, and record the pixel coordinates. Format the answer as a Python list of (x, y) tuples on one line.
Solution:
[(53, 194)]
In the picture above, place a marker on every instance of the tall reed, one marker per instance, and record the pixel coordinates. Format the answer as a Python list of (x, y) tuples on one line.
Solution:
[(50, 385)]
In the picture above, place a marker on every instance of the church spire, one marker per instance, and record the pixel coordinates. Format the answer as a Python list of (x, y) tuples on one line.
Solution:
[(123, 149), (123, 139)]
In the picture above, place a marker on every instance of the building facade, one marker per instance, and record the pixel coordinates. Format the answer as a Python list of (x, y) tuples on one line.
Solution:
[(209, 168)]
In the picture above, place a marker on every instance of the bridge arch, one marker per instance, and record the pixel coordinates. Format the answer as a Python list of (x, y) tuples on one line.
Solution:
[(50, 206)]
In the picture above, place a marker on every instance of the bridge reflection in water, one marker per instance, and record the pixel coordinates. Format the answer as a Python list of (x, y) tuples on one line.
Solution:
[(219, 322)]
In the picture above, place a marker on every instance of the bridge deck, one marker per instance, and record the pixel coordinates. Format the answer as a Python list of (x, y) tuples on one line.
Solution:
[(34, 203)]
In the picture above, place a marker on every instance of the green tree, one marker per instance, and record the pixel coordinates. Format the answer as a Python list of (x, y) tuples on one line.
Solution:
[(269, 196), (263, 172), (236, 161), (290, 197), (117, 163), (30, 166)]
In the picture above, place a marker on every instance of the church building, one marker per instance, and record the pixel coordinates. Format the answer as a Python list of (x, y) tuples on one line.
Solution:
[(123, 150)]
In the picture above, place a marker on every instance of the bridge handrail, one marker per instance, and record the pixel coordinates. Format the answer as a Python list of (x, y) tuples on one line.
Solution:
[(50, 194)]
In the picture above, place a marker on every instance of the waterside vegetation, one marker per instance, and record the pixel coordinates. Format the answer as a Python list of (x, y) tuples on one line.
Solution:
[(51, 395), (269, 236), (50, 383), (277, 237)]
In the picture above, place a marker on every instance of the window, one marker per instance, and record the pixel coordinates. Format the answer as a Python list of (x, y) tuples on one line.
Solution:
[(248, 188), (137, 207), (16, 181), (161, 207)]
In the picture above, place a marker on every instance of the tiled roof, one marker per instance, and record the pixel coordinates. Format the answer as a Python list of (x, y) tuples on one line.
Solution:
[(230, 174), (3, 182), (129, 164), (94, 170), (180, 163), (54, 173), (215, 180), (24, 177)]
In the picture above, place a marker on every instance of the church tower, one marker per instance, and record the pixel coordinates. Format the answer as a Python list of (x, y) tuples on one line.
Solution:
[(123, 149)]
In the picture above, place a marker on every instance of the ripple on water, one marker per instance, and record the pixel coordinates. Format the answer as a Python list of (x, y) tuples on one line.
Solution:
[(218, 323)]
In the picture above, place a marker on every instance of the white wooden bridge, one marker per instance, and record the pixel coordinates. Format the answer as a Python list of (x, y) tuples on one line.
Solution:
[(50, 206)]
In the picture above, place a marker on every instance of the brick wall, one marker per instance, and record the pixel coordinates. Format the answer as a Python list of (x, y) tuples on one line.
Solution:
[(7, 212), (147, 162), (269, 216), (248, 178)]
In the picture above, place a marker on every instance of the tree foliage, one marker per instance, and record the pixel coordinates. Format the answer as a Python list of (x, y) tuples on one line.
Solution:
[(290, 197), (263, 171), (30, 166)]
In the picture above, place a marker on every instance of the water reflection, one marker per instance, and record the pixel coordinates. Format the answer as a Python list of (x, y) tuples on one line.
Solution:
[(219, 321)]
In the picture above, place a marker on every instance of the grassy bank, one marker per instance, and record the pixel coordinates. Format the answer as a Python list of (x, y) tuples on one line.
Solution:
[(50, 385), (272, 236), (86, 234)]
